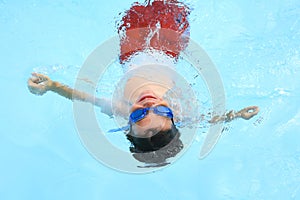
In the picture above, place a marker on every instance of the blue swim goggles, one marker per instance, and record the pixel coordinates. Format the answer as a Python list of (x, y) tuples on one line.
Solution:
[(141, 113)]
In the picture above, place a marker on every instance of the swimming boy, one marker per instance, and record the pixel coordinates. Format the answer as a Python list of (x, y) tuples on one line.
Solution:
[(151, 120)]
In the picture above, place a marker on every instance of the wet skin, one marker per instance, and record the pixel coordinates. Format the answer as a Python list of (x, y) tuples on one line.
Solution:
[(152, 121)]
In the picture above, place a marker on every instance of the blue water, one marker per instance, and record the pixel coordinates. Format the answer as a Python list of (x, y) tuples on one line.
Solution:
[(255, 46)]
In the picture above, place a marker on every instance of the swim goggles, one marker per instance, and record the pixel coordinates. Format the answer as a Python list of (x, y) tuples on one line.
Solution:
[(141, 113)]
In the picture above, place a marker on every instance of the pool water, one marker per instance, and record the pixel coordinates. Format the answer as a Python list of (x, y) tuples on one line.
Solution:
[(256, 48)]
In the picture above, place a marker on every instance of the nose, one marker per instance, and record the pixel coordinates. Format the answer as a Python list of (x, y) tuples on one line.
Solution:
[(148, 104)]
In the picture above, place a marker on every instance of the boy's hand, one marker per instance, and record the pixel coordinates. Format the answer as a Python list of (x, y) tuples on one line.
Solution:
[(39, 84), (248, 112)]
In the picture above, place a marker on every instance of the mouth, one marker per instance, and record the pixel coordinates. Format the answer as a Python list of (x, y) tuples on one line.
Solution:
[(146, 97)]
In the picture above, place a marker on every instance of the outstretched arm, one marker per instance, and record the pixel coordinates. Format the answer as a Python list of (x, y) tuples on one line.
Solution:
[(246, 113), (39, 84)]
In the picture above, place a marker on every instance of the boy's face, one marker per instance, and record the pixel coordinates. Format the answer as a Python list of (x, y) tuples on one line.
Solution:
[(151, 121)]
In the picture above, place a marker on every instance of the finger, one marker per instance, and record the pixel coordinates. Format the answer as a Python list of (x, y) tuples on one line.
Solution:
[(34, 80), (252, 109), (42, 77), (34, 74), (38, 78), (255, 109), (249, 112), (32, 84), (30, 81)]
